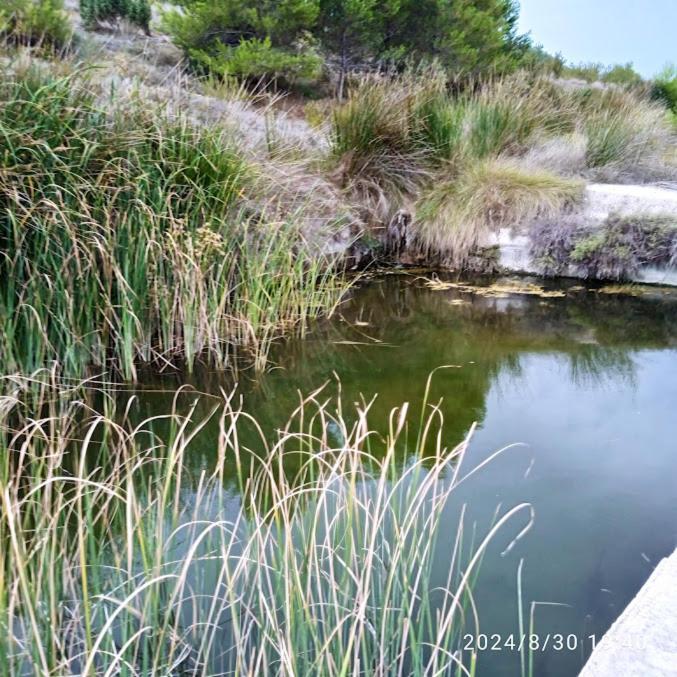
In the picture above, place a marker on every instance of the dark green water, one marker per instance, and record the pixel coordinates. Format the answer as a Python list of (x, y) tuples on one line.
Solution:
[(588, 385)]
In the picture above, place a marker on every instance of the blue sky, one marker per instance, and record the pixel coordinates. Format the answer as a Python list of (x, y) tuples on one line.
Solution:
[(607, 31)]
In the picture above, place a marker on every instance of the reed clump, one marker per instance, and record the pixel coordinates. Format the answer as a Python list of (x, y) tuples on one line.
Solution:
[(126, 238), (318, 560)]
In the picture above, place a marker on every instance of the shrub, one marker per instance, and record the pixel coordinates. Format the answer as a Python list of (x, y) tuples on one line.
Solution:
[(535, 59), (251, 38), (258, 61), (623, 75), (590, 72), (42, 23), (665, 88), (137, 12), (616, 250)]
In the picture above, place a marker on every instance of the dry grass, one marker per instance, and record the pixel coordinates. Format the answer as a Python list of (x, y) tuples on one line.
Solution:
[(454, 218), (628, 139), (497, 154)]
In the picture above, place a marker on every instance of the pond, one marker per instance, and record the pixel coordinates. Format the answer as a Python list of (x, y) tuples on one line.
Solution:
[(583, 379)]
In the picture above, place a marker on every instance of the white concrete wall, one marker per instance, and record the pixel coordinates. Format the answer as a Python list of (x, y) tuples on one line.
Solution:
[(643, 641)]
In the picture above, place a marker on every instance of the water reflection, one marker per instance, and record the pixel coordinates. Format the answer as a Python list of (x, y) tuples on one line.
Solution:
[(588, 382)]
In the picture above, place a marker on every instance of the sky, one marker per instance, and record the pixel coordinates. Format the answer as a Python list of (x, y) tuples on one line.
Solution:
[(606, 31)]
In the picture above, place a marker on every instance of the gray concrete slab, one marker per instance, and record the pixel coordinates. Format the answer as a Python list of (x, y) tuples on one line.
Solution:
[(643, 641)]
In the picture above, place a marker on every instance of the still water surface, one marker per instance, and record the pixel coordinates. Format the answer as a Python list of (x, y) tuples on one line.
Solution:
[(586, 383)]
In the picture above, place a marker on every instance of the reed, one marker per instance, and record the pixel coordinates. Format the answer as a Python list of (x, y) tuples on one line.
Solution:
[(126, 239), (316, 561)]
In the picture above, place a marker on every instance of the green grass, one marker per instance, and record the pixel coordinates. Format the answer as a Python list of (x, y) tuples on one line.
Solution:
[(456, 215), (119, 561), (463, 164), (126, 239)]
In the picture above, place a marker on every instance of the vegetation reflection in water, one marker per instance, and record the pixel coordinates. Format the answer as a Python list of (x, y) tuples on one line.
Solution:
[(257, 544), (583, 378), (126, 564)]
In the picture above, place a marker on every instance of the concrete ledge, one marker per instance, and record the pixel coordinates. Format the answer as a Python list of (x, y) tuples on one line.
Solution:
[(643, 641), (601, 201)]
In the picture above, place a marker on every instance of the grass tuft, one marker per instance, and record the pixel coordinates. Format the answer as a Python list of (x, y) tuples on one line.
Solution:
[(456, 215)]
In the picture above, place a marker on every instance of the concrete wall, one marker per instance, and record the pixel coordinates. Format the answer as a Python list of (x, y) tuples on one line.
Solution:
[(643, 641), (602, 200)]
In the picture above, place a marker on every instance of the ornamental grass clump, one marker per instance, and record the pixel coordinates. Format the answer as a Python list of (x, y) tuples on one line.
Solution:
[(628, 136), (455, 217), (496, 153)]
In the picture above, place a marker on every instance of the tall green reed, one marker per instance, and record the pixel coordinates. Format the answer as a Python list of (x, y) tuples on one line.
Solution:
[(124, 239)]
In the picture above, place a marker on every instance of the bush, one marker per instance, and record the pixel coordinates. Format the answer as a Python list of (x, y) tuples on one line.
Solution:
[(137, 12), (249, 39), (665, 88), (623, 75), (616, 250), (42, 23), (590, 72), (536, 60), (259, 61)]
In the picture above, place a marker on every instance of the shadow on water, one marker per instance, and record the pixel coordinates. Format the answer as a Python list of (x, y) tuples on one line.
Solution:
[(588, 382)]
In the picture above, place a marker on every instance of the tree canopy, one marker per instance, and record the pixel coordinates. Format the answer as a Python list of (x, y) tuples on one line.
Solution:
[(466, 37)]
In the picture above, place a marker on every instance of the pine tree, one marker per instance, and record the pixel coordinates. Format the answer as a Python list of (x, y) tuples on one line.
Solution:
[(354, 30), (466, 36), (137, 12)]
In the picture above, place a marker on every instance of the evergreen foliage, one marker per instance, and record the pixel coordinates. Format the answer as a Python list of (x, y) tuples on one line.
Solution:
[(665, 88), (252, 39), (467, 37), (35, 22), (137, 12)]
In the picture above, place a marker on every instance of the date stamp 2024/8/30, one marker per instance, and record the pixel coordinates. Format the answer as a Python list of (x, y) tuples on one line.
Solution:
[(528, 642)]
